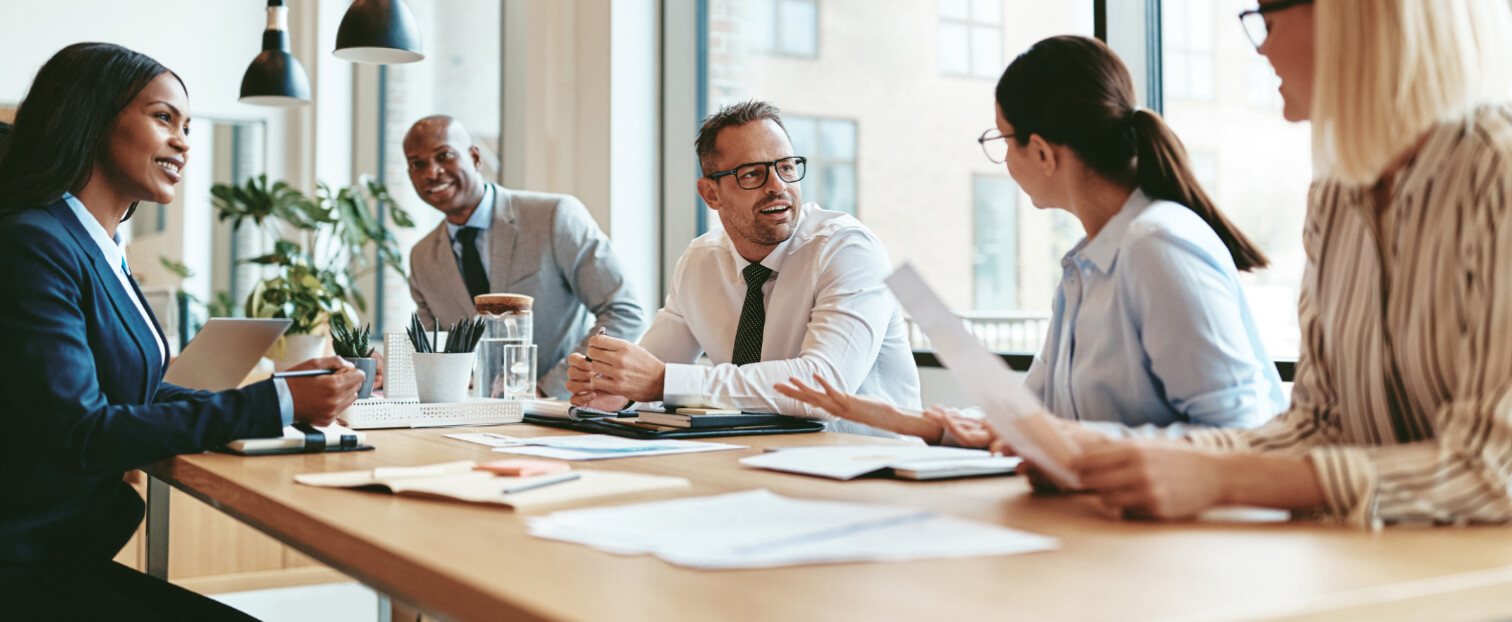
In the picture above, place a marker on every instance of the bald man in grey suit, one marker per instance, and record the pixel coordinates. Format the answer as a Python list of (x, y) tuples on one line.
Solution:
[(499, 240)]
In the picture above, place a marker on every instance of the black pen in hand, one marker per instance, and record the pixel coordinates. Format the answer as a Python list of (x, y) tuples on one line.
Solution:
[(600, 333), (305, 372)]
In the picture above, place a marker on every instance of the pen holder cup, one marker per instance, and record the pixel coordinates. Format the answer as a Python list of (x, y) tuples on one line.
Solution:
[(441, 377), (369, 369)]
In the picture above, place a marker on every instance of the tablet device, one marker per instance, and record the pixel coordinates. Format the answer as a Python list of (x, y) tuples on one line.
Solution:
[(224, 352)]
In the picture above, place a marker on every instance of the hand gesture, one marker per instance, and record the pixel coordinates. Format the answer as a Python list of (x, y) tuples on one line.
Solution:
[(318, 399)]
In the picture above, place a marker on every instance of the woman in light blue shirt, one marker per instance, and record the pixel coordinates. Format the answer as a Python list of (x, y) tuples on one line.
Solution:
[(1150, 333)]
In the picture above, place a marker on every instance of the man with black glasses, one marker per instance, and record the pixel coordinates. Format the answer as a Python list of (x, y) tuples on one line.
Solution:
[(783, 290)]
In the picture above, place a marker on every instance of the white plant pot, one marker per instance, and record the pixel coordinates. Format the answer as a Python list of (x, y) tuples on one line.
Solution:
[(297, 349), (442, 378)]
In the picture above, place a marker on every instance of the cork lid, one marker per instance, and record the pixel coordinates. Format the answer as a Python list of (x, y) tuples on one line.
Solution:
[(502, 303)]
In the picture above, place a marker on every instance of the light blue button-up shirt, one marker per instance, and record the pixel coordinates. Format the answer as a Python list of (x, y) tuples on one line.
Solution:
[(1151, 331), (482, 218)]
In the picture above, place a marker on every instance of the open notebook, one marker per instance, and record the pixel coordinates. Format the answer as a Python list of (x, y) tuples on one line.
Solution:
[(458, 480)]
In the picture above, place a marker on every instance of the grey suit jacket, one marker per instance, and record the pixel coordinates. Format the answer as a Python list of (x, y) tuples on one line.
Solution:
[(541, 245)]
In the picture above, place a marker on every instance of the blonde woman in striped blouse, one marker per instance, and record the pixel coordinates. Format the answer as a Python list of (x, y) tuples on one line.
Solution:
[(1402, 408)]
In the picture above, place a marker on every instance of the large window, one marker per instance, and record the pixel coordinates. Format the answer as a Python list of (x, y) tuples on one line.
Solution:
[(1256, 165), (783, 27), (459, 77), (830, 146), (1187, 38), (889, 128), (971, 38), (994, 241)]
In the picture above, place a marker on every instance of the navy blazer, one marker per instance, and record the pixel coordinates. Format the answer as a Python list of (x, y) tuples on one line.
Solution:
[(82, 398)]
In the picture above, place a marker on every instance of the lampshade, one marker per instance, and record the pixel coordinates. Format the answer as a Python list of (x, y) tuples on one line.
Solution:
[(275, 77), (379, 31)]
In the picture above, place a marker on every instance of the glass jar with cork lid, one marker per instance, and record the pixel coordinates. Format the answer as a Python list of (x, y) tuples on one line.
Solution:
[(506, 353)]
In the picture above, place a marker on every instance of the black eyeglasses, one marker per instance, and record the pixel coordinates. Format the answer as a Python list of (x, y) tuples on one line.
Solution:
[(1253, 20), (753, 175), (996, 151)]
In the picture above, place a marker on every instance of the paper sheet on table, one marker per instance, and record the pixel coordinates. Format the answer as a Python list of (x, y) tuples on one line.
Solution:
[(488, 438), (986, 379), (604, 446), (758, 529), (848, 462)]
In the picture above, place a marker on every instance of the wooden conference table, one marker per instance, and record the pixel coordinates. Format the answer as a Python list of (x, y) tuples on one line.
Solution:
[(473, 562)]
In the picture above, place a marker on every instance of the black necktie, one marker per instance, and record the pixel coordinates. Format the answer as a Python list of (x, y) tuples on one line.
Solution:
[(472, 264), (752, 317)]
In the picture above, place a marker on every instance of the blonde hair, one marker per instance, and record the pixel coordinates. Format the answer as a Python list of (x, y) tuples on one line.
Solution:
[(1385, 71)]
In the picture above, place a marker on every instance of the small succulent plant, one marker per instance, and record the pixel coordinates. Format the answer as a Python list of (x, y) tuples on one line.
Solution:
[(348, 341)]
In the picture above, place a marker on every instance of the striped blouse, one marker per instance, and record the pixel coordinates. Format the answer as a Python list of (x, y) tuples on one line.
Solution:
[(1403, 394)]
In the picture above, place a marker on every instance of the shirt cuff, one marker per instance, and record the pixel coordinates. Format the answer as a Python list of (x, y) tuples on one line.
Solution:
[(1349, 481), (285, 401), (682, 379)]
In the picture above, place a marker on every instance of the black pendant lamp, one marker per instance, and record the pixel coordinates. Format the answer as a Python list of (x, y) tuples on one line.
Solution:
[(379, 31), (275, 77)]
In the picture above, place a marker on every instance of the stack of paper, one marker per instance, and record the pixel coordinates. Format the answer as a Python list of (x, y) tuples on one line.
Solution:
[(589, 446), (758, 529), (459, 481), (1014, 413), (848, 462)]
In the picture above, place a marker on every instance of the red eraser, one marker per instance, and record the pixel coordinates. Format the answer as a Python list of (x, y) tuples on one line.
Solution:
[(522, 467)]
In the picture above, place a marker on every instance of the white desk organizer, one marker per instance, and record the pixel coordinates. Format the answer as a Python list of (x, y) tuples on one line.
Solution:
[(378, 412), (400, 405)]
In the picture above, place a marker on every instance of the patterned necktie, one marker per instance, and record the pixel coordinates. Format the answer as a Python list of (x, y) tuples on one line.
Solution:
[(472, 264), (752, 317)]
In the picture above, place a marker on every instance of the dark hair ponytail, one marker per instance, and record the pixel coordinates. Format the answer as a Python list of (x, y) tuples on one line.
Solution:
[(1163, 173), (1074, 91), (66, 119)]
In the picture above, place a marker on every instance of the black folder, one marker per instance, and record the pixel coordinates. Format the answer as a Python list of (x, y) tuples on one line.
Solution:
[(791, 425)]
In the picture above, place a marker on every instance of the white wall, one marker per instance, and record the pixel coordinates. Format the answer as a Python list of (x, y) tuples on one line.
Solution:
[(208, 44), (581, 117)]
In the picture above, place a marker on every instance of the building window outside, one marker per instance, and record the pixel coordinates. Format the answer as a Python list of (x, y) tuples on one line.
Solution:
[(830, 146), (971, 38), (917, 169), (994, 241), (783, 27), (1187, 40), (1253, 163)]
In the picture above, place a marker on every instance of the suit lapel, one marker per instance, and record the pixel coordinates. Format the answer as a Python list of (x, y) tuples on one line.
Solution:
[(501, 240), (121, 301), (455, 287)]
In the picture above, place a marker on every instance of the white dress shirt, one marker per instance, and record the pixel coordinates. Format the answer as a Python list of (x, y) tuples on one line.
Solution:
[(111, 249), (827, 312), (482, 218)]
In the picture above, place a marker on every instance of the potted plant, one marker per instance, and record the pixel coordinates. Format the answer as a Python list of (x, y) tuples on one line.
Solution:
[(352, 345), (322, 247)]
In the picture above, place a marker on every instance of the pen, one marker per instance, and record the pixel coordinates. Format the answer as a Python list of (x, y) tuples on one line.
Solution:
[(541, 483), (600, 333), (303, 372)]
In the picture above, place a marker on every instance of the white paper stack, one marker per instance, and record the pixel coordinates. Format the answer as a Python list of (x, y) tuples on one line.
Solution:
[(600, 446), (759, 529)]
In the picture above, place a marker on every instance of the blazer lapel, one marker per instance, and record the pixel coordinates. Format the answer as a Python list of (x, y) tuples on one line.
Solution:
[(451, 279), (501, 240), (119, 299), (157, 370)]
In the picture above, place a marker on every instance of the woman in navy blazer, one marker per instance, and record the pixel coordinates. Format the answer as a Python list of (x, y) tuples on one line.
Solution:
[(102, 128)]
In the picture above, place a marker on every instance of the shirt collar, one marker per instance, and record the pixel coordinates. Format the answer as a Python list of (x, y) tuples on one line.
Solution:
[(1100, 251), (482, 216), (111, 247), (773, 260)]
